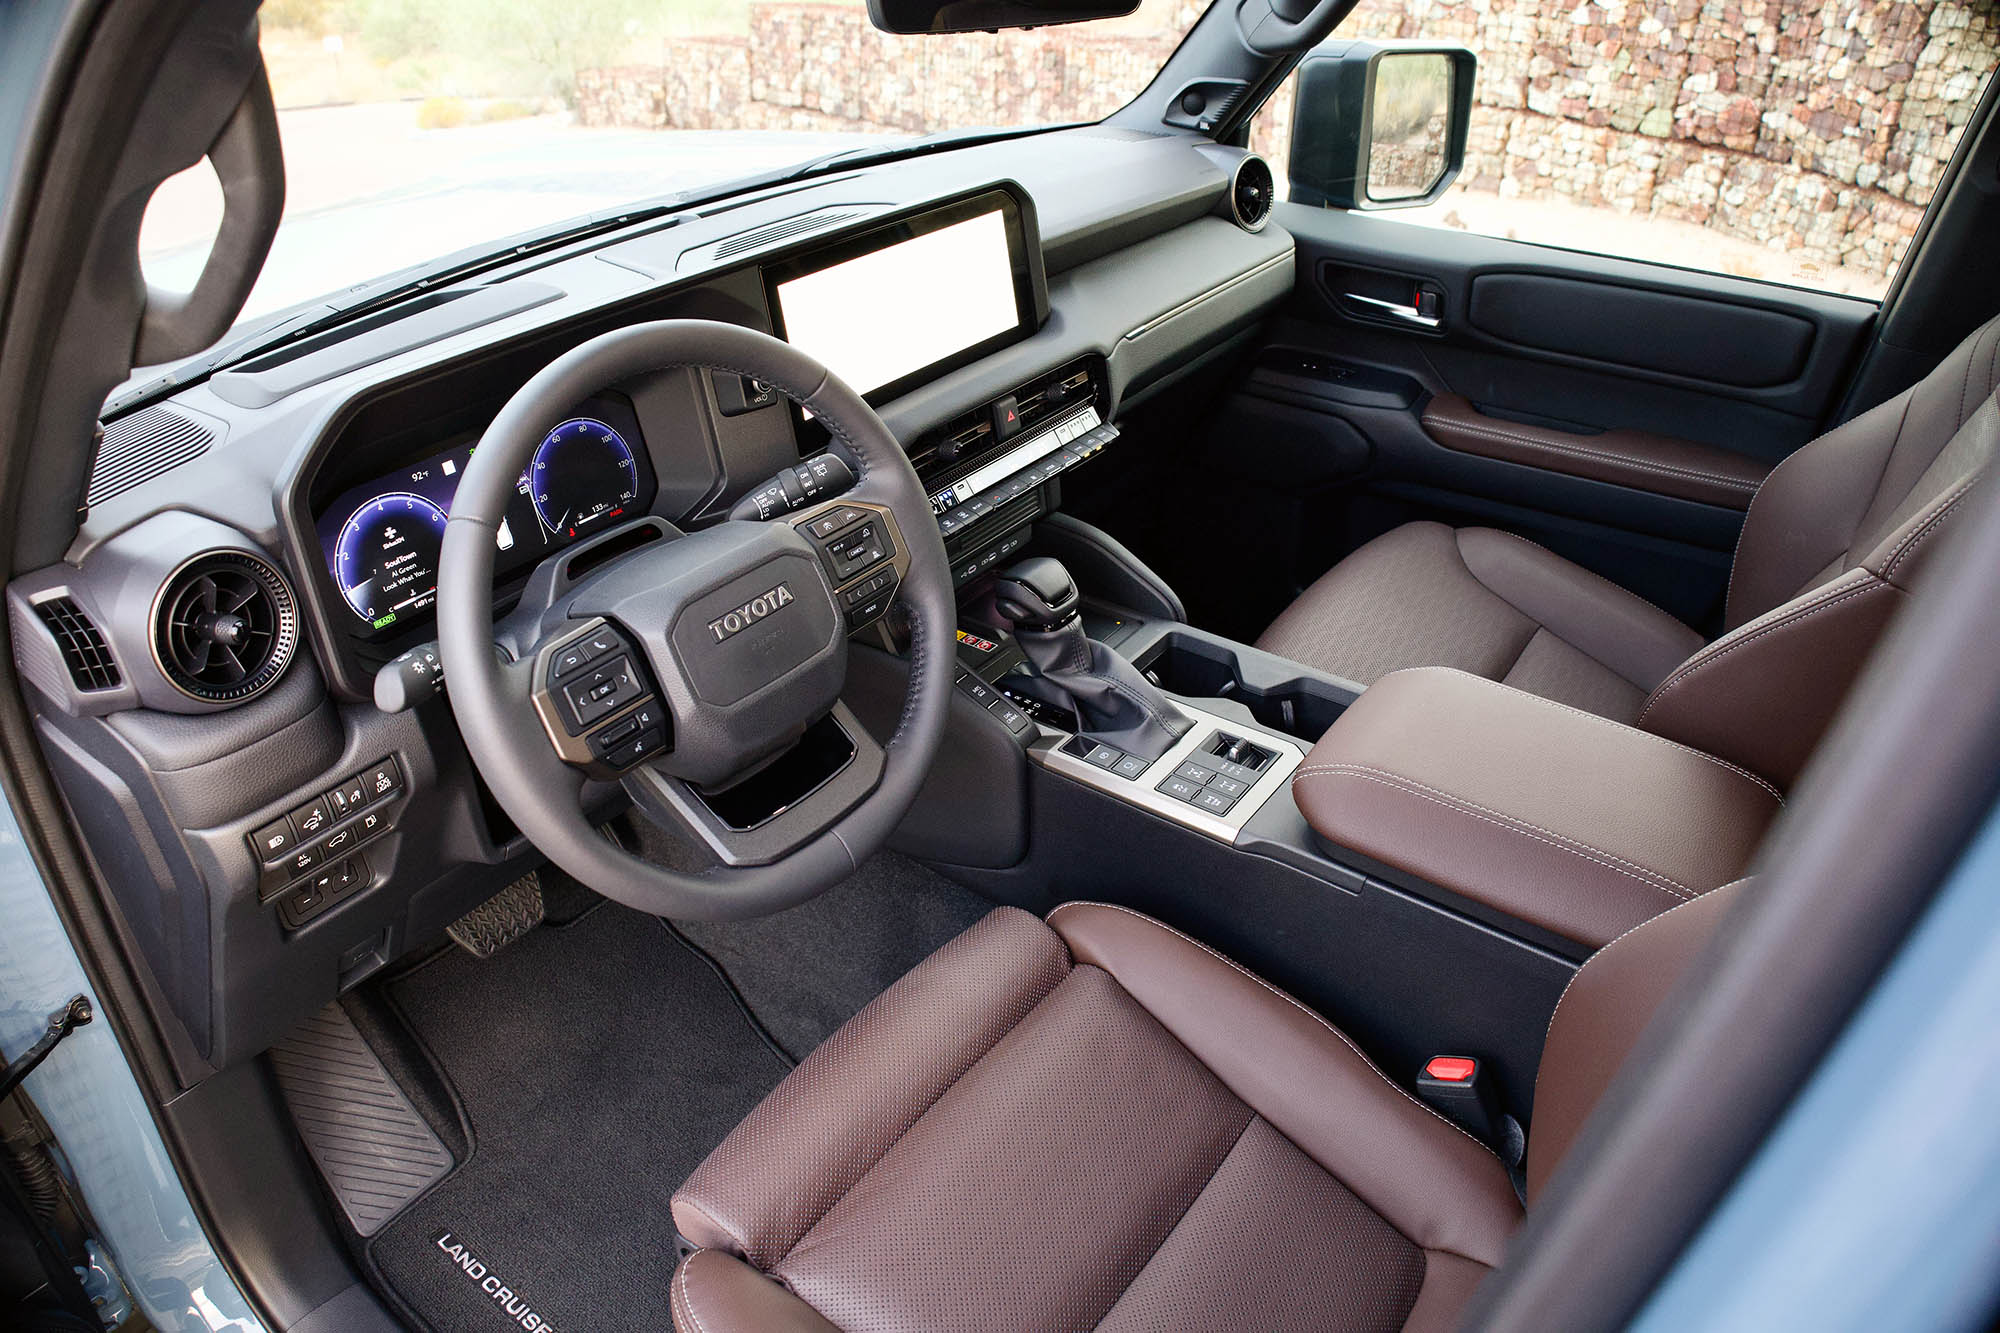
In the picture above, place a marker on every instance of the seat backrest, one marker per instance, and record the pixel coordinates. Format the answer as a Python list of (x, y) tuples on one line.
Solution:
[(1833, 542), (1601, 1015)]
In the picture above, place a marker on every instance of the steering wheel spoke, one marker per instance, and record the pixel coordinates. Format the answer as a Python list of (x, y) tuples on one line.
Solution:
[(777, 807)]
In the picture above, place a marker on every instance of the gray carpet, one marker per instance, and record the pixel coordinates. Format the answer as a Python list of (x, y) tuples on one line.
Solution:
[(594, 1063), (806, 971)]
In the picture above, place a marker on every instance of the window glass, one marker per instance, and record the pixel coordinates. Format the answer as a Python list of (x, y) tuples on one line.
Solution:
[(1790, 142), (413, 129)]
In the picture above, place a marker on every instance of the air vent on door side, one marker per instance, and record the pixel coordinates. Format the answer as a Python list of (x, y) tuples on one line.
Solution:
[(1251, 192), (84, 651), (140, 447), (225, 626)]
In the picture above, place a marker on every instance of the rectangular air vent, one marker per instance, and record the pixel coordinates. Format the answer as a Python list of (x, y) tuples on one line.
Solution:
[(84, 650), (140, 447)]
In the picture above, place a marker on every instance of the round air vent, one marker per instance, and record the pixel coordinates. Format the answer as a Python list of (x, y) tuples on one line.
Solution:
[(224, 627), (1251, 193)]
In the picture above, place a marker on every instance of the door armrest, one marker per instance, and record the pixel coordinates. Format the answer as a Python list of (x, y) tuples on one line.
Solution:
[(1639, 459)]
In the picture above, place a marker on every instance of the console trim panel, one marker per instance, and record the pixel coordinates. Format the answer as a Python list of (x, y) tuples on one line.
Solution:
[(1046, 750)]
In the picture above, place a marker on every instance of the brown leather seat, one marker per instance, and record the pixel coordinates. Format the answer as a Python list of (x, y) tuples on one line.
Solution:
[(1099, 1122), (1828, 551)]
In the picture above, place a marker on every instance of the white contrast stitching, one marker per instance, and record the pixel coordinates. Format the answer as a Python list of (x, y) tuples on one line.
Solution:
[(1915, 539), (1651, 878), (1723, 647), (1246, 972), (1593, 957), (1441, 422), (687, 1299), (1719, 762)]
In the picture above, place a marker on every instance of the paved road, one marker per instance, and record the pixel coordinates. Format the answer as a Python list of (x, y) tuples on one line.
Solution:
[(369, 192)]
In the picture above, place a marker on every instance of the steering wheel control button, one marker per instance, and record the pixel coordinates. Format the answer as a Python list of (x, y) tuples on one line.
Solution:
[(273, 840), (857, 549), (641, 747), (599, 692)]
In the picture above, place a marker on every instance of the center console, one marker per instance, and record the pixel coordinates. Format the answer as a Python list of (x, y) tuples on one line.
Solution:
[(988, 471)]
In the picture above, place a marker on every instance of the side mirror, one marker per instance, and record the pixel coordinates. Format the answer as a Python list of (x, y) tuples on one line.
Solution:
[(1380, 125)]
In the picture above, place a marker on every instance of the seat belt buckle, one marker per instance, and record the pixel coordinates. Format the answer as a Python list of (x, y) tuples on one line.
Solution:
[(1456, 1087)]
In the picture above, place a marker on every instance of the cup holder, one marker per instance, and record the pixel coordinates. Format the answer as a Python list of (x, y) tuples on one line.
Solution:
[(1297, 705)]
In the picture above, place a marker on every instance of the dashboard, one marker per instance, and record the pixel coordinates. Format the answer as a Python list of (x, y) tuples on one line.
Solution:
[(996, 304)]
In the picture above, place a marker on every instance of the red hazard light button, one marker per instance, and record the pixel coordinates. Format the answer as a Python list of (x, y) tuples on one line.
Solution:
[(1451, 1068)]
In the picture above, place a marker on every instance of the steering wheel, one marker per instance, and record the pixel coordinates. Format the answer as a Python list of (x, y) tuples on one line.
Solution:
[(693, 664)]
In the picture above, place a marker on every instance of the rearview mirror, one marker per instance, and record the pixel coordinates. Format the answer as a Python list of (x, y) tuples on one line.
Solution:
[(931, 16), (1380, 125)]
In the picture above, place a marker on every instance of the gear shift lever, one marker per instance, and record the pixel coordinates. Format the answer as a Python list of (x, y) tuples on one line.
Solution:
[(1107, 693)]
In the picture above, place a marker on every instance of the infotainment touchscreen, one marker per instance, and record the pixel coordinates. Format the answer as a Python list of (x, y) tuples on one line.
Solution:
[(904, 302)]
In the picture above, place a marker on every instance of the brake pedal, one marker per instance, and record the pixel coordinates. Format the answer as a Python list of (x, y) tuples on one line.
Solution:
[(501, 919)]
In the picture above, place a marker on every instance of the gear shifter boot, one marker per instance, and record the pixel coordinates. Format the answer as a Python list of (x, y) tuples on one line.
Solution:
[(1113, 701)]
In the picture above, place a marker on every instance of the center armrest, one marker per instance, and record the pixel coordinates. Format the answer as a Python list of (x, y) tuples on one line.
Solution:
[(1574, 823)]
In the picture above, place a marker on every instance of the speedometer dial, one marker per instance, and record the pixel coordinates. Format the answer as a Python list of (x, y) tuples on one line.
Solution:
[(583, 474), (387, 558)]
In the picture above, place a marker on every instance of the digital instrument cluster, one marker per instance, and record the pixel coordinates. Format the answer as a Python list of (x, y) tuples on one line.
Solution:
[(381, 539)]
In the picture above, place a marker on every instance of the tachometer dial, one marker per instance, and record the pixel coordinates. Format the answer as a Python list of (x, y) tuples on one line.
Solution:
[(583, 474), (387, 556)]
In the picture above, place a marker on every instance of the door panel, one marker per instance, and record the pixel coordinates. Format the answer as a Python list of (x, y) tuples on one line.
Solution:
[(1621, 413)]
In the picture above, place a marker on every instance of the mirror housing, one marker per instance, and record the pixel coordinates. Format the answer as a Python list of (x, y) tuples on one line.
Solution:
[(1380, 124), (938, 16)]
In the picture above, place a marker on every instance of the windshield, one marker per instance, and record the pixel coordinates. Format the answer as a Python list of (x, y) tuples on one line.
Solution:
[(414, 129)]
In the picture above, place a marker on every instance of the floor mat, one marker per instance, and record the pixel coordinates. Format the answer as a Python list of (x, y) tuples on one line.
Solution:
[(596, 1063), (806, 971)]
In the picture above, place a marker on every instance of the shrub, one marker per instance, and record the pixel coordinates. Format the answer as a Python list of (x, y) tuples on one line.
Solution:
[(440, 113)]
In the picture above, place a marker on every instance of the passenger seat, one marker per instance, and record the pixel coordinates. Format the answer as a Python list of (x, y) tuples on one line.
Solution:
[(1829, 550)]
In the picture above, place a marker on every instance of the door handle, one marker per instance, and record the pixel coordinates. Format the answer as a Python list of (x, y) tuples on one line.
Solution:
[(1408, 314)]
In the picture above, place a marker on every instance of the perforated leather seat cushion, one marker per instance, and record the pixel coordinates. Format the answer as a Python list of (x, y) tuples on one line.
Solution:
[(1091, 1123)]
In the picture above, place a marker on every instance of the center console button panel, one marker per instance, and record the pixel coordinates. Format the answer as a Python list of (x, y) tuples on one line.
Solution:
[(1213, 779)]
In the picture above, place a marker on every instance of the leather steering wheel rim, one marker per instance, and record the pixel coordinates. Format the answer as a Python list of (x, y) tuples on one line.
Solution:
[(541, 793)]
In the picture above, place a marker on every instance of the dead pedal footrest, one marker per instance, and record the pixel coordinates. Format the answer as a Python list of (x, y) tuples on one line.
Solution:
[(501, 919), (376, 1153)]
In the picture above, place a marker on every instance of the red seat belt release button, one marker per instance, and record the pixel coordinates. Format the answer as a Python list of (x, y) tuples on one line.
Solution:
[(1457, 1088)]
